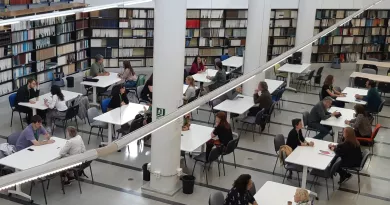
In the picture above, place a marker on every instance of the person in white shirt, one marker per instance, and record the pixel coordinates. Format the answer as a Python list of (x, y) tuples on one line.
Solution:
[(57, 106), (75, 145)]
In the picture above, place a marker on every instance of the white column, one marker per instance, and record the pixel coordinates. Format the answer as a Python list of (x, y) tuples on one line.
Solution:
[(305, 26), (168, 72), (259, 12)]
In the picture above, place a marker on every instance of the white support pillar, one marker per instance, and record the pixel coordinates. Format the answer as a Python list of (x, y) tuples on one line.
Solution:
[(306, 20), (256, 41), (168, 72)]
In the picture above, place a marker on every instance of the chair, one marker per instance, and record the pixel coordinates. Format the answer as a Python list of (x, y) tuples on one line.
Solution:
[(278, 74), (305, 79), (369, 71), (104, 104), (384, 88), (268, 114), (291, 167), (216, 199), (305, 116), (369, 66), (214, 156), (71, 113), (253, 120), (141, 78), (278, 142), (139, 91), (231, 146), (88, 88), (317, 77), (103, 92), (252, 190), (42, 181), (320, 95), (376, 113), (365, 154), (92, 113), (12, 104), (214, 103), (278, 97), (388, 72), (13, 138), (328, 173), (360, 82), (371, 140)]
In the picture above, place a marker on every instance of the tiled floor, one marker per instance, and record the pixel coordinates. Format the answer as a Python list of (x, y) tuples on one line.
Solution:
[(118, 177)]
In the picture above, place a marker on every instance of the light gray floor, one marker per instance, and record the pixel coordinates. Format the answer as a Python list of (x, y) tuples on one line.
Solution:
[(118, 177)]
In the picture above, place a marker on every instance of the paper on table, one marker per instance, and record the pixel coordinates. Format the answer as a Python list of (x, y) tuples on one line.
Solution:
[(327, 153)]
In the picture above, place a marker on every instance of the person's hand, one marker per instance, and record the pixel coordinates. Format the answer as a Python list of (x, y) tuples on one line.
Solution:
[(357, 96), (256, 91), (50, 141), (123, 103), (311, 144), (32, 101), (204, 60), (208, 77), (335, 113), (347, 122)]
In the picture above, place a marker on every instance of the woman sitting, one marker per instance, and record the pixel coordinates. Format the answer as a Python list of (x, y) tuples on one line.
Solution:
[(295, 137), (191, 91), (219, 79), (302, 197), (361, 123), (221, 135), (350, 153), (128, 76), (57, 107), (147, 91), (328, 90), (118, 97), (240, 194)]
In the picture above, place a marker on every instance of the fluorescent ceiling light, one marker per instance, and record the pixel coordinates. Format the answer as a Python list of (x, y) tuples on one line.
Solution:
[(52, 15), (135, 2), (8, 23)]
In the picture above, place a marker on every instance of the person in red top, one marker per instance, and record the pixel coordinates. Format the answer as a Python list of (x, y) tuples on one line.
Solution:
[(197, 66)]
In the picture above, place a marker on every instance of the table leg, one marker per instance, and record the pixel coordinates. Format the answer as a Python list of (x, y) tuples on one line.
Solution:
[(18, 191), (109, 133), (228, 117), (34, 111), (304, 177), (357, 68), (288, 83), (94, 95)]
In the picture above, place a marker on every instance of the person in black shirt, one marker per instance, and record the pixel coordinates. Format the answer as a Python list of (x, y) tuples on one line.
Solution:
[(147, 92), (222, 130), (328, 90), (240, 194), (295, 137), (24, 94), (118, 97), (350, 153)]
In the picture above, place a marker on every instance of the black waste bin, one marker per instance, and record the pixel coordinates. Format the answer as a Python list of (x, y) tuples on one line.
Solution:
[(188, 184), (146, 173), (70, 82)]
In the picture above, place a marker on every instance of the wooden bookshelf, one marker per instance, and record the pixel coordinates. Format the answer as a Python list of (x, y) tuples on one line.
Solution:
[(283, 26)]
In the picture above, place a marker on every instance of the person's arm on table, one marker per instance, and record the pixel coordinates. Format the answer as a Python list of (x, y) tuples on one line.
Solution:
[(65, 150), (256, 97)]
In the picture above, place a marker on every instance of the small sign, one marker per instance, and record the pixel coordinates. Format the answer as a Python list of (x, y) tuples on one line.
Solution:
[(160, 112)]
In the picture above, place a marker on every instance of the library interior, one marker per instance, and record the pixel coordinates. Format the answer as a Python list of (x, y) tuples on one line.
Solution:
[(219, 102)]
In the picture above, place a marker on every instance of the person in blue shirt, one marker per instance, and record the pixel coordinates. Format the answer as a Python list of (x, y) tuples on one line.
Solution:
[(31, 133), (372, 98)]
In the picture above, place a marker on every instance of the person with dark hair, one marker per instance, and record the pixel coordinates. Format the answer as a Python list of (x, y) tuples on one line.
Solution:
[(57, 107), (30, 135), (264, 100), (328, 90), (361, 123), (118, 97), (97, 68), (222, 130), (373, 98), (128, 76), (219, 79), (295, 137), (350, 153), (147, 91), (26, 93), (240, 194), (198, 66)]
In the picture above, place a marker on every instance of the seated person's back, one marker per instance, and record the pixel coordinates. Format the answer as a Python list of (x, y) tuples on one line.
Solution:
[(75, 145)]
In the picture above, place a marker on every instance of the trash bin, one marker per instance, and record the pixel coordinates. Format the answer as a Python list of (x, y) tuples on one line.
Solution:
[(146, 173), (188, 184), (70, 82)]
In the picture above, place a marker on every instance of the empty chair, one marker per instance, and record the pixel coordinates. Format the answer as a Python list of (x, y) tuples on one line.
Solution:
[(214, 103), (365, 154), (278, 142), (253, 120), (278, 74), (216, 198), (140, 81), (369, 71), (305, 80), (305, 116), (92, 113), (71, 113), (290, 167), (369, 66), (231, 146), (278, 97), (12, 104), (213, 157), (376, 112), (139, 91), (360, 82), (317, 77), (268, 114), (384, 88), (328, 173), (320, 95)]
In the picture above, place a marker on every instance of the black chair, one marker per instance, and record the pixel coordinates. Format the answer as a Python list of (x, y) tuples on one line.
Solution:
[(320, 95), (305, 80), (42, 181), (212, 104), (369, 66), (92, 113), (278, 142), (360, 82), (268, 114), (12, 104), (231, 146), (103, 93), (305, 116), (328, 173), (317, 77), (365, 154), (375, 114), (384, 88), (213, 157), (291, 168), (253, 120), (70, 114), (183, 154)]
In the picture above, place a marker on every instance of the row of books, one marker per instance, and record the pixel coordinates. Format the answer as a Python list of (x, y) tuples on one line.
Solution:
[(103, 23), (64, 38), (43, 43), (108, 42), (5, 88), (82, 55), (82, 24), (6, 76), (82, 44), (211, 14), (283, 32), (22, 47), (236, 14), (45, 22), (377, 14), (23, 25), (372, 48), (46, 53), (20, 72), (105, 33), (337, 40), (285, 42), (237, 42), (82, 65), (106, 13), (5, 39), (211, 42), (80, 34), (67, 48), (192, 32), (5, 63), (336, 49), (235, 32), (44, 32), (339, 14), (280, 14), (68, 69), (22, 36), (44, 77), (136, 13), (192, 52), (375, 39), (236, 23), (211, 52), (191, 42), (211, 24), (285, 23), (128, 52), (193, 23), (65, 27), (212, 32), (132, 42), (20, 82), (21, 59)]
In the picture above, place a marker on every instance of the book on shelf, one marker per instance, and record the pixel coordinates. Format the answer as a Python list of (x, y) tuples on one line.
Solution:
[(280, 14), (46, 53), (192, 23), (82, 44), (65, 27), (132, 42), (84, 24), (209, 32), (67, 48), (211, 24), (236, 23), (5, 63), (149, 62), (22, 36), (82, 65), (45, 32), (209, 14), (21, 59), (104, 23), (105, 33), (234, 14), (20, 71), (106, 13), (210, 51), (192, 32), (193, 14), (22, 47), (192, 51), (136, 23)]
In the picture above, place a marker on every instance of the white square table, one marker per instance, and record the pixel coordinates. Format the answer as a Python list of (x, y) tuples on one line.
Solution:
[(273, 193), (104, 81), (379, 64), (233, 62), (350, 95), (293, 68), (238, 105), (40, 104), (25, 159), (346, 114), (120, 116), (202, 77), (195, 137), (310, 157), (273, 84)]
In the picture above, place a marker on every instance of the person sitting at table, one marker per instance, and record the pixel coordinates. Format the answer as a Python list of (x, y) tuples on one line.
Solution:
[(329, 90), (57, 107), (221, 135), (118, 97), (97, 68), (361, 123), (219, 79), (302, 197), (30, 135), (264, 100), (319, 112), (198, 66), (350, 153), (372, 98), (240, 194), (75, 145), (26, 93), (128, 76), (191, 90), (295, 137), (147, 91), (186, 122)]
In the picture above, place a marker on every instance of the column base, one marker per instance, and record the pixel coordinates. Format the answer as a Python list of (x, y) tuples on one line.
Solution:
[(177, 187)]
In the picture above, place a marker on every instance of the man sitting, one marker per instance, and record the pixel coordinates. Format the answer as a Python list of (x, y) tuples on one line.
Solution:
[(372, 98), (30, 135)]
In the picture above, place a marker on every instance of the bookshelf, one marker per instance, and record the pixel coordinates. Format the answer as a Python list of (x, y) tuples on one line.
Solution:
[(283, 26), (366, 36), (5, 4)]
